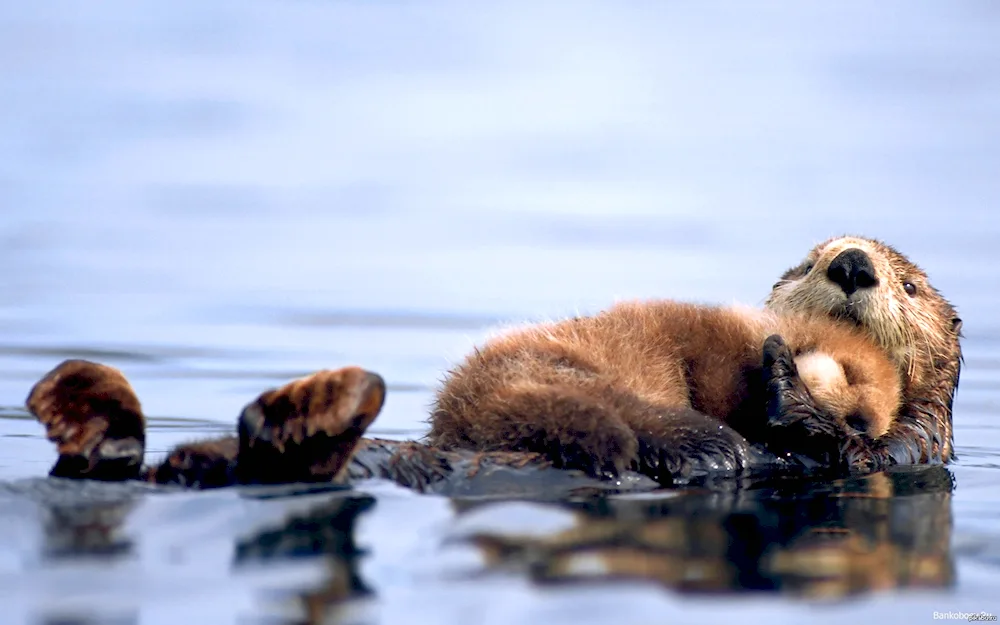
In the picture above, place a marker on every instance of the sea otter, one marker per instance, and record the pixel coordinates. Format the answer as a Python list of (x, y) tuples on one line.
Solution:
[(310, 430), (871, 285), (600, 393), (790, 417)]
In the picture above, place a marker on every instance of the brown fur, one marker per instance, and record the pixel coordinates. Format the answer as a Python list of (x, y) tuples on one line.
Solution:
[(92, 414), (306, 430), (203, 464), (590, 392), (631, 387), (920, 332)]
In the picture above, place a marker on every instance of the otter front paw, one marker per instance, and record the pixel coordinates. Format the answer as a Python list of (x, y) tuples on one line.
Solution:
[(307, 430), (798, 428), (795, 425)]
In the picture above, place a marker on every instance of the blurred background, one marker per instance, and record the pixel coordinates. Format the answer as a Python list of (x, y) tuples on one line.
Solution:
[(216, 196)]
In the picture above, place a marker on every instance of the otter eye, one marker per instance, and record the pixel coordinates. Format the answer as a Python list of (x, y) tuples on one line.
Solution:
[(910, 288)]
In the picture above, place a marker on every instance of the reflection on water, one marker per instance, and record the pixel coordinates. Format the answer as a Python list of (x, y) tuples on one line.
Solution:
[(86, 530), (793, 537), (834, 539), (326, 530), (786, 536)]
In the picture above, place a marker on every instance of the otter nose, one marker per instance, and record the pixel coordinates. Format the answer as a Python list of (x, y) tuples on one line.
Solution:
[(852, 270)]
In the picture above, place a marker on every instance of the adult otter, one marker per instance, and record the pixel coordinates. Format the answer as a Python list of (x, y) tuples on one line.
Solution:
[(601, 393), (868, 283), (697, 438)]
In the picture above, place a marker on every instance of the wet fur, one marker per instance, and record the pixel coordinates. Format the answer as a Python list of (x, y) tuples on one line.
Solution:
[(92, 414), (598, 393), (920, 332), (304, 431)]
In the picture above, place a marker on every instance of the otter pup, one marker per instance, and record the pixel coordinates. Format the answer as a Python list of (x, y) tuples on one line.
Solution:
[(602, 394), (866, 283)]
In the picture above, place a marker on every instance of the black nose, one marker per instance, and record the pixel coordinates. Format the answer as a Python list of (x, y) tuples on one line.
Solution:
[(852, 270)]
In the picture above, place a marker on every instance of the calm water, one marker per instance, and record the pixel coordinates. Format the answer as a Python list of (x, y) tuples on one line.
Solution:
[(216, 196)]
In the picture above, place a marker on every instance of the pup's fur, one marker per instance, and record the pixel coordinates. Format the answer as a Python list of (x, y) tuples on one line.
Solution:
[(593, 393)]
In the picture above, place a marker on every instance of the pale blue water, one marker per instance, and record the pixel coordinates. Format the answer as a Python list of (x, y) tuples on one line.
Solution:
[(216, 196)]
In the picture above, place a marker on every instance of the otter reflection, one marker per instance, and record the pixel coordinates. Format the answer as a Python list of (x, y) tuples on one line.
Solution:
[(82, 520), (87, 530), (821, 539), (326, 530)]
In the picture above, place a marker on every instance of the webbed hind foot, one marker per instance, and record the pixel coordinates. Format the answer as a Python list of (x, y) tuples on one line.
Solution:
[(92, 414), (307, 430)]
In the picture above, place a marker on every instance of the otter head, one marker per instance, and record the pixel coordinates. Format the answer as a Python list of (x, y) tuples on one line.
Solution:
[(871, 285)]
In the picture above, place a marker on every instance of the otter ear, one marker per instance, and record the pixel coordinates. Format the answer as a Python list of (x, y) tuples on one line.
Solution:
[(956, 325)]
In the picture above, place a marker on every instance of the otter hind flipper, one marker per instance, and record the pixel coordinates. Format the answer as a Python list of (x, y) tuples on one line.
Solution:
[(92, 414), (307, 430)]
